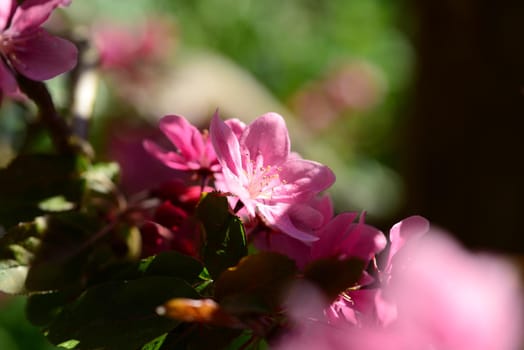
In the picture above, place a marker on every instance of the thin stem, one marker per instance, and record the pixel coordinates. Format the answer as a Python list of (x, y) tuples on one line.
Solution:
[(59, 131)]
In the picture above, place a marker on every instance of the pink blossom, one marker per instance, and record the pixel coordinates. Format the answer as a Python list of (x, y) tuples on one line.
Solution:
[(447, 299), (125, 49), (257, 169), (312, 215), (28, 48), (193, 151), (369, 306), (456, 300)]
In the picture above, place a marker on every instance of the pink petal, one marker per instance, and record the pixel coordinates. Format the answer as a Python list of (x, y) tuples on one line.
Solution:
[(226, 145), (276, 217), (284, 244), (267, 136), (456, 300), (32, 13), (170, 159), (8, 83), (331, 235), (363, 241), (407, 229), (303, 179), (237, 126), (41, 56), (183, 135), (6, 8), (305, 216)]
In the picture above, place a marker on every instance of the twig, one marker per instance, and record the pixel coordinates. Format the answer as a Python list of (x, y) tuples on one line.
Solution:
[(59, 131)]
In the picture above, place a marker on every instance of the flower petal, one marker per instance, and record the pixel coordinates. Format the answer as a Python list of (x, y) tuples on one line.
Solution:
[(170, 159), (401, 232), (303, 179), (226, 145), (6, 8), (331, 235), (32, 13), (267, 136), (8, 83), (183, 135), (276, 217), (42, 56)]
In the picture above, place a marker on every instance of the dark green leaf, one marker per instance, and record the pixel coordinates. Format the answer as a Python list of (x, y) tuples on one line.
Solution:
[(34, 179), (174, 264), (334, 276), (61, 257), (224, 237), (258, 282), (200, 337), (41, 309), (119, 315)]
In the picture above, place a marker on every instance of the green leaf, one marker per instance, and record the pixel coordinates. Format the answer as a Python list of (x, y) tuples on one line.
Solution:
[(334, 276), (224, 236), (55, 204), (173, 264), (119, 315), (156, 343), (70, 344), (256, 284), (61, 257), (31, 179), (101, 177), (12, 277), (41, 309)]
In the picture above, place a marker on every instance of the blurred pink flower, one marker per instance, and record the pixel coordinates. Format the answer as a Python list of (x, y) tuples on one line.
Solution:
[(194, 151), (257, 169), (171, 226), (455, 300), (368, 306), (447, 299), (125, 49), (28, 48)]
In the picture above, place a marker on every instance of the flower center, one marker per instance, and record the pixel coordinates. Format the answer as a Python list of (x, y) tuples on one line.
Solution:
[(261, 180), (6, 43)]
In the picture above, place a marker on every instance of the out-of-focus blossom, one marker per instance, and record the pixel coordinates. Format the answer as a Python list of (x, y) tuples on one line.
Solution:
[(124, 145), (352, 87), (450, 299), (446, 298), (28, 48), (257, 169), (194, 151), (171, 226), (128, 50), (368, 306)]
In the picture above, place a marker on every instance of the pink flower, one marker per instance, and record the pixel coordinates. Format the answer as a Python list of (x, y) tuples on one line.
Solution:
[(369, 306), (257, 169), (29, 49), (447, 299), (193, 152), (312, 215), (455, 300)]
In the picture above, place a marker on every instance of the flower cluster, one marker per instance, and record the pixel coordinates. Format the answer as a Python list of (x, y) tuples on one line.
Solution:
[(415, 290)]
